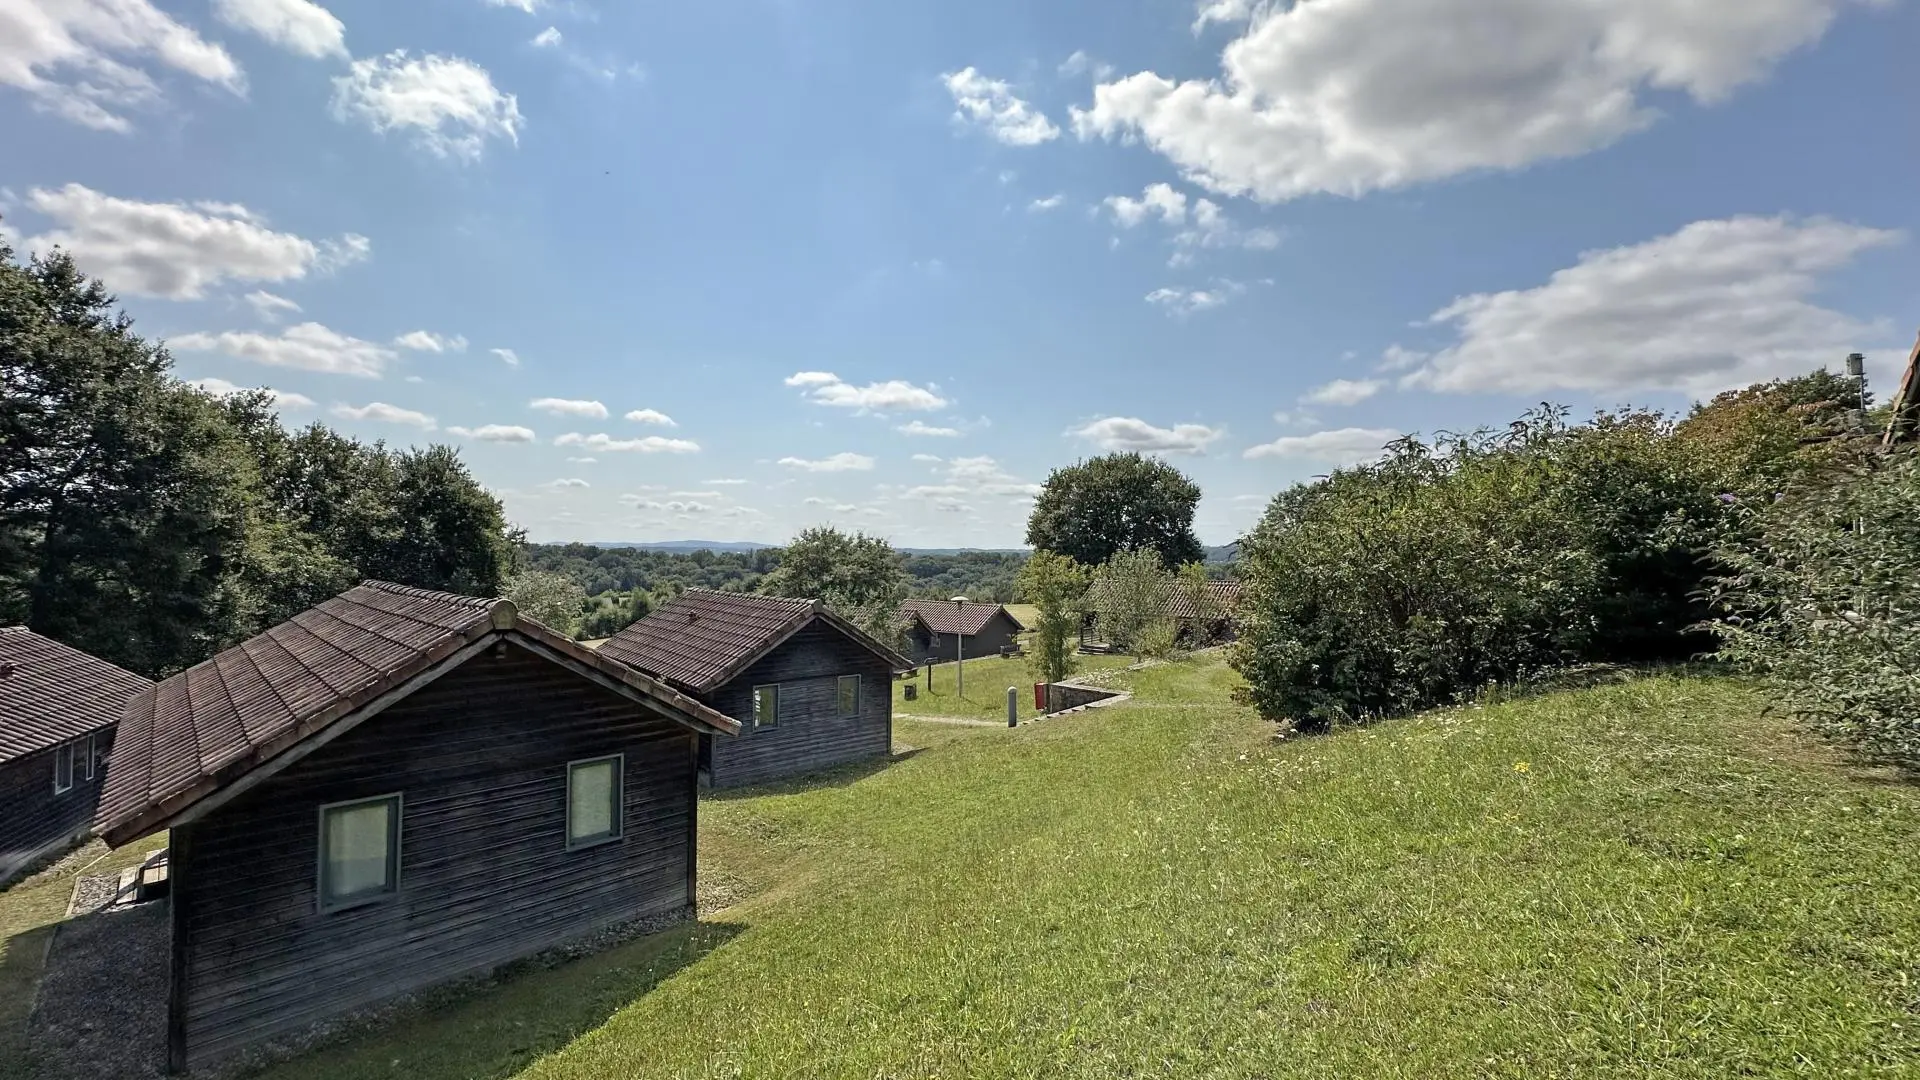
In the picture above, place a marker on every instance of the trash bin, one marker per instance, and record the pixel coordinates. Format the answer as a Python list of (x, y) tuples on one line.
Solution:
[(912, 692), (1040, 696)]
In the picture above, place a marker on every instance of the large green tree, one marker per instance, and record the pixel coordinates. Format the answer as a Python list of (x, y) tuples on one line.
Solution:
[(858, 576), (1057, 586), (1095, 509)]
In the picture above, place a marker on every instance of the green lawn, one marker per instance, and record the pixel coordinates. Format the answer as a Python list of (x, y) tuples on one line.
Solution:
[(986, 687), (1643, 880)]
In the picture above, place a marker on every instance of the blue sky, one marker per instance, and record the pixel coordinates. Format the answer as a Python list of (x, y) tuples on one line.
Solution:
[(770, 264)]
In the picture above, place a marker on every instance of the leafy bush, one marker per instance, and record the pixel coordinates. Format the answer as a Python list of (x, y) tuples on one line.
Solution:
[(1158, 640), (1057, 586)]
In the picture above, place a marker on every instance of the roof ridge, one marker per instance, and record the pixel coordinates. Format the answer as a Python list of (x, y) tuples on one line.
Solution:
[(396, 589)]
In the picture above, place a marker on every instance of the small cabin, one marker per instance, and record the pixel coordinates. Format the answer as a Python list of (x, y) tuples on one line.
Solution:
[(1199, 621), (942, 631), (58, 709), (811, 689), (395, 789)]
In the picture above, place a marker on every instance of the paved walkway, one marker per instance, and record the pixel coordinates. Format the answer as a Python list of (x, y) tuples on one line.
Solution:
[(960, 720)]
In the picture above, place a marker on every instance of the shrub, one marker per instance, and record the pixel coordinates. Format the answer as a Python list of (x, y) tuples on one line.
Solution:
[(1056, 586), (1158, 640)]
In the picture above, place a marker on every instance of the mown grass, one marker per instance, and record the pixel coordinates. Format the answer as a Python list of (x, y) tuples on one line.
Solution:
[(1641, 880), (986, 687)]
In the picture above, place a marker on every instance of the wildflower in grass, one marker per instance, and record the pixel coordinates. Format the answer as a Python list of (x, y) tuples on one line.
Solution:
[(1522, 767)]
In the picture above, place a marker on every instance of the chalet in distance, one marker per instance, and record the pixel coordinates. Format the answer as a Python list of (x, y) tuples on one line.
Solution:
[(393, 789), (942, 630), (1197, 622), (58, 708), (810, 688)]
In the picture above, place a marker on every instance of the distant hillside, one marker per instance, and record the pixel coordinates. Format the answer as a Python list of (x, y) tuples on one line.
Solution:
[(683, 547)]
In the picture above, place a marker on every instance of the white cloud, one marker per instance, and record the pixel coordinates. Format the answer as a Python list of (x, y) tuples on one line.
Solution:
[(284, 399), (837, 463), (547, 38), (306, 346), (270, 307), (1213, 229), (1349, 96), (1159, 200), (76, 58), (507, 356), (1051, 202), (1126, 433), (1344, 392), (583, 460), (301, 27), (651, 416), (384, 413), (825, 388), (177, 251), (569, 407), (728, 482), (1396, 358), (607, 444), (1082, 64), (569, 482), (917, 428), (991, 104), (449, 105), (495, 433), (1205, 225), (428, 341), (1223, 11), (528, 6), (929, 459), (1714, 305), (1183, 302), (1345, 446)]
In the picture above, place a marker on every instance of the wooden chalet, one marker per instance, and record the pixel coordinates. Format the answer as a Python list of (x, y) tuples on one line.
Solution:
[(811, 689), (942, 630), (58, 709), (1195, 627), (393, 789)]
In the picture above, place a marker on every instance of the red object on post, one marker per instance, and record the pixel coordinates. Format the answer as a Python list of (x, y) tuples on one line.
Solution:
[(1040, 696)]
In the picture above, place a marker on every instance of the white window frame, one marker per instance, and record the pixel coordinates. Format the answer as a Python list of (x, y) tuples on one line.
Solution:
[(839, 704), (62, 754), (90, 764), (395, 831), (619, 802), (774, 717)]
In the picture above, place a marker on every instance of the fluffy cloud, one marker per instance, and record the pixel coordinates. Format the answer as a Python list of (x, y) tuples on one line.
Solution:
[(1204, 226), (651, 416), (448, 105), (76, 59), (1126, 433), (1345, 446), (306, 346), (284, 399), (528, 6), (1714, 305), (1183, 302), (507, 356), (174, 250), (1349, 96), (495, 433), (1051, 202), (428, 341), (569, 407), (1082, 64), (990, 104), (607, 444), (725, 482), (837, 463), (569, 482), (1343, 392), (1158, 200), (915, 427), (301, 27), (270, 307), (894, 395), (384, 413), (548, 38)]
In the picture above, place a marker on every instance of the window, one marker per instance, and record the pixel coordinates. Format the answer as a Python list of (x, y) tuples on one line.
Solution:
[(91, 759), (593, 801), (849, 696), (359, 851), (766, 706), (63, 769)]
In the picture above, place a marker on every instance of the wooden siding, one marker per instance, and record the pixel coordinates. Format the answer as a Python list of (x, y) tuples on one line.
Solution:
[(811, 734), (480, 756), (35, 823), (999, 630)]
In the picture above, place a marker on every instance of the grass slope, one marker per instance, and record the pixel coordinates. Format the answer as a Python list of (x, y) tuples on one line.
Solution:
[(987, 681), (1645, 880)]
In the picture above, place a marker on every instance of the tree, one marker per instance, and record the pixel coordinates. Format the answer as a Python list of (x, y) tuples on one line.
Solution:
[(1131, 592), (858, 577), (551, 599), (1093, 510), (1057, 586)]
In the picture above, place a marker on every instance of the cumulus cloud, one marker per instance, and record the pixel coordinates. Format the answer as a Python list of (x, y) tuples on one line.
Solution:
[(651, 416), (607, 444), (428, 341), (568, 482), (1157, 200), (915, 427), (1081, 64), (1126, 433), (78, 59), (1345, 446), (842, 462), (1183, 302), (569, 407), (384, 413), (990, 104), (447, 105), (529, 6), (1717, 304), (1343, 392), (174, 250), (507, 356), (495, 433), (270, 307), (301, 27), (306, 346), (1201, 224), (1051, 202), (725, 482), (548, 38), (1350, 96), (283, 399), (894, 395)]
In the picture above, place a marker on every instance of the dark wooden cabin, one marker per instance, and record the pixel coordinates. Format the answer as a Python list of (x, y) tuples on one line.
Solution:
[(1218, 622), (942, 630), (811, 689), (393, 789), (58, 708)]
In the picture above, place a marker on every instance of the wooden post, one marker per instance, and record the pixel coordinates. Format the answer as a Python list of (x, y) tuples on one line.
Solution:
[(1013, 707)]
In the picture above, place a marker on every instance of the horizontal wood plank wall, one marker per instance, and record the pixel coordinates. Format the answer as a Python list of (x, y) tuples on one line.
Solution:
[(999, 631), (34, 822), (811, 734), (480, 757)]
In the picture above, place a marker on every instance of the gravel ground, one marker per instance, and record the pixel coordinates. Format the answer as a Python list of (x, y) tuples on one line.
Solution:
[(91, 892), (102, 1009)]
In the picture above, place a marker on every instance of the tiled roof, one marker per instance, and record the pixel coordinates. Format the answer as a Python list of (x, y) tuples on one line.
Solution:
[(702, 638), (947, 617), (191, 734), (1179, 604), (50, 693)]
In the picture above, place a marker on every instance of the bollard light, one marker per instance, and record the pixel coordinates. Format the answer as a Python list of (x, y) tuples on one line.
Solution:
[(1013, 707)]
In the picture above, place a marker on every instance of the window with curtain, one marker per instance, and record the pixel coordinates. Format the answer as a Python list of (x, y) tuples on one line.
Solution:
[(766, 706), (359, 851), (63, 769), (593, 801), (849, 696)]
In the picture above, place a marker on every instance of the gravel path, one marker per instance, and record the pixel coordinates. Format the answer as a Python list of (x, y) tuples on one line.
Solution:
[(91, 892), (102, 1009)]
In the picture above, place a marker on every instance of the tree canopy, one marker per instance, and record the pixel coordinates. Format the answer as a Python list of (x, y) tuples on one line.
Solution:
[(858, 576), (1092, 510)]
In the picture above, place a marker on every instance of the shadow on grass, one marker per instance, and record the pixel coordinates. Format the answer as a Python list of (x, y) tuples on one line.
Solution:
[(20, 962), (838, 776)]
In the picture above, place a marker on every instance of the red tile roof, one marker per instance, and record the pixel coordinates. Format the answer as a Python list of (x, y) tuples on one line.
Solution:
[(50, 693), (1179, 604), (702, 638), (192, 734), (947, 617)]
